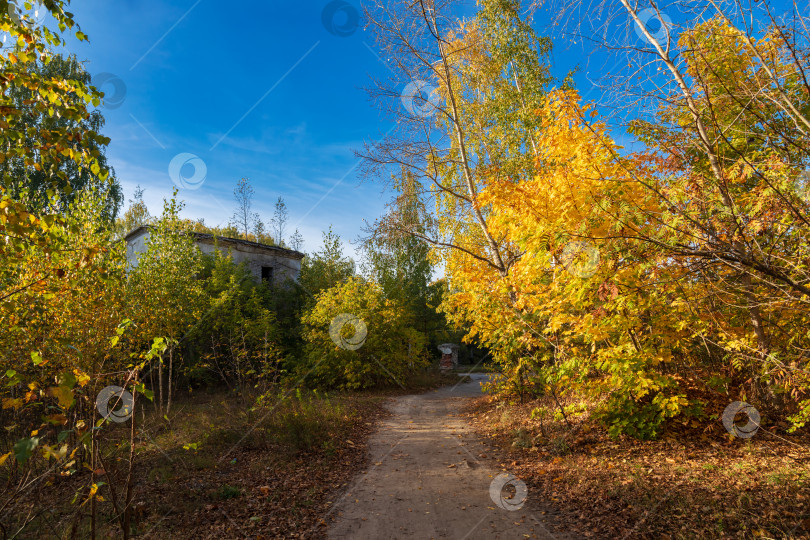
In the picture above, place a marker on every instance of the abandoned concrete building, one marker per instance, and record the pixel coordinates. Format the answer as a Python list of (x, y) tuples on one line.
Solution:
[(267, 263)]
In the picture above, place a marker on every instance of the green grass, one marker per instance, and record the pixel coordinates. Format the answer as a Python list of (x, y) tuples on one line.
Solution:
[(229, 492)]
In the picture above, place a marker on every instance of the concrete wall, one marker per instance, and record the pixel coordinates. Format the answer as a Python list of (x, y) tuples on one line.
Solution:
[(135, 246), (284, 268), (255, 257)]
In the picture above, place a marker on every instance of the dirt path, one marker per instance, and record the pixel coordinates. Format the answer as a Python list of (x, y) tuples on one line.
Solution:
[(427, 479)]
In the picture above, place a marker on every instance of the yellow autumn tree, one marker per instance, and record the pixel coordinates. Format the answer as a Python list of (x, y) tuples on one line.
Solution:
[(576, 311), (680, 268)]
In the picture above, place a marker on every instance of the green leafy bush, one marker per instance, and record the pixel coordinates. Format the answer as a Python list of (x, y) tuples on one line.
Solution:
[(642, 419), (358, 339), (237, 339)]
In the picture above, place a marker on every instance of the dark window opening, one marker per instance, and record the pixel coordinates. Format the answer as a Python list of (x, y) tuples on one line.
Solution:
[(267, 274)]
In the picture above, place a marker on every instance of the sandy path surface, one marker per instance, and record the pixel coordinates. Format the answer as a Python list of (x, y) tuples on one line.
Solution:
[(427, 479)]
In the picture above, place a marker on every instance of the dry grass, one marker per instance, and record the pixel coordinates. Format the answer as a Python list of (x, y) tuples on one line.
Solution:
[(220, 466), (217, 469), (696, 481)]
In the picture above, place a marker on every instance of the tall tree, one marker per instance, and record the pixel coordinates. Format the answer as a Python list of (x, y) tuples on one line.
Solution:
[(46, 146), (258, 228), (135, 215), (484, 78), (326, 268), (296, 240), (27, 179), (397, 258), (165, 296), (50, 258), (720, 99), (279, 221), (243, 217)]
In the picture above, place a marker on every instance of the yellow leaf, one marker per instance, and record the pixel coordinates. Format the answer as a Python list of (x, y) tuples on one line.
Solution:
[(12, 403), (81, 377), (63, 394)]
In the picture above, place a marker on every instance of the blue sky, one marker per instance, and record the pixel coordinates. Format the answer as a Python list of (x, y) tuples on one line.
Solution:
[(254, 89), (259, 90)]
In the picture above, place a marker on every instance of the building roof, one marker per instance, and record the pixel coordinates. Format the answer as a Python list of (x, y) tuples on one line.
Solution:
[(205, 237)]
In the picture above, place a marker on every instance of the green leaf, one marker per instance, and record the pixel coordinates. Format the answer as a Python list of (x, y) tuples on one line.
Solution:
[(141, 388), (64, 395), (36, 358), (24, 449), (67, 379)]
